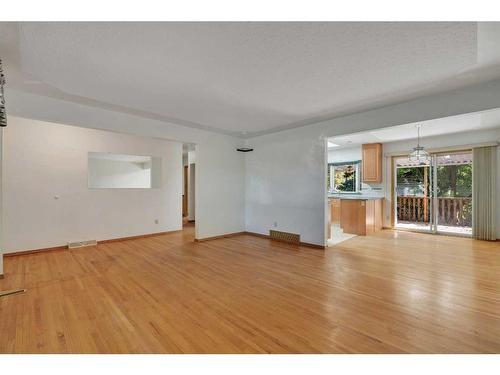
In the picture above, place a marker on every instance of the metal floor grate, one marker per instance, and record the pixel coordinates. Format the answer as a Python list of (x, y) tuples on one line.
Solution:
[(284, 236)]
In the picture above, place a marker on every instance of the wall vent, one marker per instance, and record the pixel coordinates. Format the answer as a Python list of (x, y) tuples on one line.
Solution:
[(75, 245), (284, 236)]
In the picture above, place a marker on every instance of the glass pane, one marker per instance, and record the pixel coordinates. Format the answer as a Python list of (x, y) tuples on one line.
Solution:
[(413, 192), (454, 193), (344, 178)]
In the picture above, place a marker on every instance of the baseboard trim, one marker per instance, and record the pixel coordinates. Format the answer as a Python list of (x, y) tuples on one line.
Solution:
[(266, 236), (219, 237), (35, 251), (120, 239), (306, 244), (58, 248), (313, 246)]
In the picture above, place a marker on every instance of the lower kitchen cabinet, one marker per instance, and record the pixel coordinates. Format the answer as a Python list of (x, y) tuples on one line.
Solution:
[(361, 216)]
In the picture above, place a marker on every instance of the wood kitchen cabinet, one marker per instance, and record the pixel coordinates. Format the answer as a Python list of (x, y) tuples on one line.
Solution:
[(335, 210), (360, 216), (372, 163), (334, 214)]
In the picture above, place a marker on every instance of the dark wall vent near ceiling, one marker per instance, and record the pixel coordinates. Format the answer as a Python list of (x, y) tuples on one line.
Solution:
[(244, 149)]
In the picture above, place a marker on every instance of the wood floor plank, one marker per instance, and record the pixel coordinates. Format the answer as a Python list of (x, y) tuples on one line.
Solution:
[(392, 292)]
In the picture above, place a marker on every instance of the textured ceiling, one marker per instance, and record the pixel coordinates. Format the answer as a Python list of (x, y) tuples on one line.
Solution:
[(240, 78)]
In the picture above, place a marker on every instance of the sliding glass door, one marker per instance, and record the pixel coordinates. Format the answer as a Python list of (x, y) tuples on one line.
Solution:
[(434, 196), (453, 192), (413, 192)]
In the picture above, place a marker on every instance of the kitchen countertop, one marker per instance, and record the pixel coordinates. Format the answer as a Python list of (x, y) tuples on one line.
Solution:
[(353, 196)]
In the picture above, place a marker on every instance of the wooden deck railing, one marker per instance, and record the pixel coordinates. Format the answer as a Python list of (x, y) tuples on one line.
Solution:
[(453, 211)]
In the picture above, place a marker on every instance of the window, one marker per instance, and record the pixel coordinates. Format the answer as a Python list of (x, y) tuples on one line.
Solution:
[(344, 177)]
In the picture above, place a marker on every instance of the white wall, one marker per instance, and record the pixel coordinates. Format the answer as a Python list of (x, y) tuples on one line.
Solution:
[(285, 183), (220, 169), (285, 175), (46, 198), (336, 155), (105, 173)]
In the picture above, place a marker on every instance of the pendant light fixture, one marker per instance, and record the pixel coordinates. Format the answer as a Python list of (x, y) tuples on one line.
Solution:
[(3, 114), (418, 154)]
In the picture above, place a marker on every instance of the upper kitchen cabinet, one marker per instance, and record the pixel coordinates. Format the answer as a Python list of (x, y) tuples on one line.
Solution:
[(372, 163)]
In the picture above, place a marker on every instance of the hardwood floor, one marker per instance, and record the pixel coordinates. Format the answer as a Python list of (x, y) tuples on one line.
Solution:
[(388, 293)]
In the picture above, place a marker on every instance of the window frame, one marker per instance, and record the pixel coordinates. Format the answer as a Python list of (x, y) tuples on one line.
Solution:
[(357, 177)]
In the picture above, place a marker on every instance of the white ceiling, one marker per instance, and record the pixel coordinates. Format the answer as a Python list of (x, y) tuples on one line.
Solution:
[(244, 78), (446, 125)]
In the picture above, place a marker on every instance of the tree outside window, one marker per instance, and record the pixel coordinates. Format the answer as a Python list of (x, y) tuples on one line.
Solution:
[(344, 177)]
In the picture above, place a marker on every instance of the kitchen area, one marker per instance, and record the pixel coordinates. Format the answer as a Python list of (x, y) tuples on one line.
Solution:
[(355, 190)]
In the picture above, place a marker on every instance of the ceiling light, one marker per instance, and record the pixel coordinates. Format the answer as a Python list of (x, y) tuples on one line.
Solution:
[(331, 144), (418, 154)]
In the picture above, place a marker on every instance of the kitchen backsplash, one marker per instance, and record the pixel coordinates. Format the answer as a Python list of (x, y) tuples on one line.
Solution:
[(376, 190)]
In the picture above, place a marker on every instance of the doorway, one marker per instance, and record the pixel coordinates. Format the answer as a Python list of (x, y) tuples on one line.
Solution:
[(434, 196), (185, 192), (189, 186)]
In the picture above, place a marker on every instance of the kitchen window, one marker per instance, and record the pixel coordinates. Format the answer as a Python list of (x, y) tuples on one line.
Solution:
[(344, 177)]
